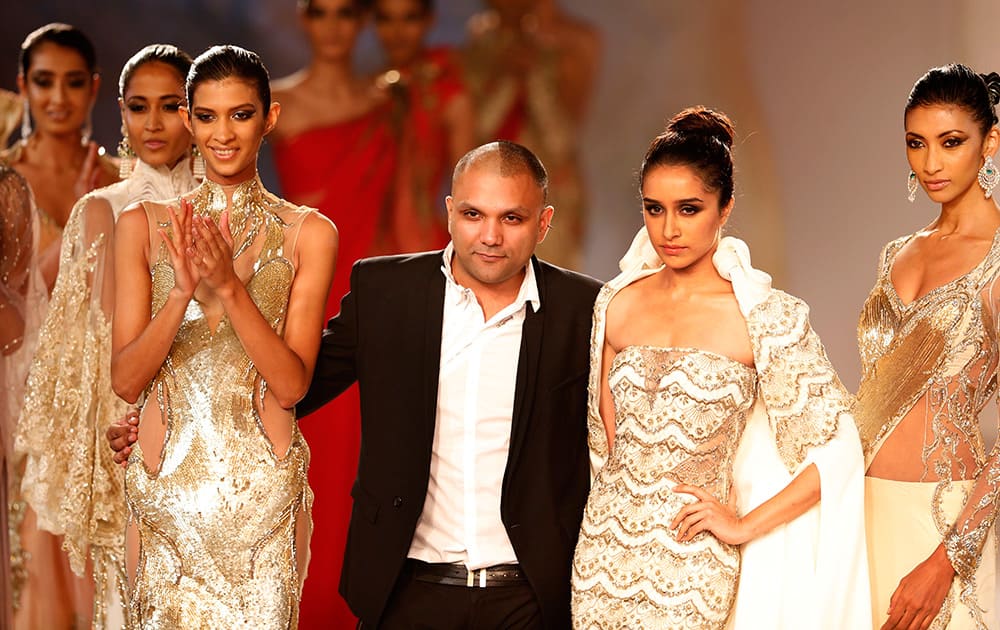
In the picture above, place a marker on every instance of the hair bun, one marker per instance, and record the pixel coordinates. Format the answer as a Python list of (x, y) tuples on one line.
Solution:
[(702, 121), (992, 81)]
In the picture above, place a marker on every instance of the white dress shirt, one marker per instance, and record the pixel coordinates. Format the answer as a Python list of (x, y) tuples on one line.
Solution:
[(460, 522)]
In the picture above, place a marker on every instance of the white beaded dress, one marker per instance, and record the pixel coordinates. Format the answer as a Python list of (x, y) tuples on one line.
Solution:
[(690, 416)]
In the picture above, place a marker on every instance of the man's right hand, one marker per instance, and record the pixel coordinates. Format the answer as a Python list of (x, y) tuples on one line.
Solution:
[(122, 434)]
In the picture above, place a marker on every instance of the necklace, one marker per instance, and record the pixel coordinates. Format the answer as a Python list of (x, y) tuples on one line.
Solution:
[(250, 207)]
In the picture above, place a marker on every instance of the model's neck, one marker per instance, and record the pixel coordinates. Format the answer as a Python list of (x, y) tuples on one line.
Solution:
[(406, 65), (332, 73), (228, 190), (60, 151), (967, 214), (694, 278)]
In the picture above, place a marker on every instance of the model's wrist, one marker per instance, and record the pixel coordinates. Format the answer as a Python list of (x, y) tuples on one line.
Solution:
[(747, 529), (228, 290), (942, 561), (180, 295)]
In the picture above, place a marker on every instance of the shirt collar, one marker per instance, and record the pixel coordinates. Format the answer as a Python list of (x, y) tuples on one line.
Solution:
[(527, 294)]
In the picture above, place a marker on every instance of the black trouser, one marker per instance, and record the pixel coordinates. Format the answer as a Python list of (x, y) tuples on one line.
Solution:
[(421, 605)]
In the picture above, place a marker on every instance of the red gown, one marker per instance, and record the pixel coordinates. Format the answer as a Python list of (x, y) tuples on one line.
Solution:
[(346, 171), (418, 217)]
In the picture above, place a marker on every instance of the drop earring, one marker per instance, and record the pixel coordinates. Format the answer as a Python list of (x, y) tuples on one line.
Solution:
[(911, 186), (197, 164), (988, 176), (86, 131), (25, 124), (126, 156)]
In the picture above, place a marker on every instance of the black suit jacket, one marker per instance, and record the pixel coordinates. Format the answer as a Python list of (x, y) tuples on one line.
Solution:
[(387, 337)]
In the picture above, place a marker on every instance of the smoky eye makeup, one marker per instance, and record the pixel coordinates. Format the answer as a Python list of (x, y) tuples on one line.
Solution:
[(42, 79)]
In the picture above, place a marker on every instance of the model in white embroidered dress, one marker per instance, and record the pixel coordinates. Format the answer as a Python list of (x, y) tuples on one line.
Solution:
[(717, 425)]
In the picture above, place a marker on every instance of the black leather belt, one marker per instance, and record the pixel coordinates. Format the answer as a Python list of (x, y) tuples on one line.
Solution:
[(459, 575)]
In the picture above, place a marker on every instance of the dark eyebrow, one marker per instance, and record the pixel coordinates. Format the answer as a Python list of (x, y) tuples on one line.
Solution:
[(940, 135), (687, 200), (201, 108)]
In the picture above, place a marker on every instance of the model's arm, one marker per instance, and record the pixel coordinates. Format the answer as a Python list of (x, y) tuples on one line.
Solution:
[(964, 545), (18, 221), (336, 368), (606, 405), (98, 238), (285, 362), (140, 344)]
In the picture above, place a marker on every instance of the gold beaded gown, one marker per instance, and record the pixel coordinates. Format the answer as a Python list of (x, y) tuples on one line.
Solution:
[(222, 512), (930, 367)]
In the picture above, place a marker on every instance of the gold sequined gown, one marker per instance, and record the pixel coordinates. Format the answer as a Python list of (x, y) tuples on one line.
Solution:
[(222, 515), (930, 366), (679, 414)]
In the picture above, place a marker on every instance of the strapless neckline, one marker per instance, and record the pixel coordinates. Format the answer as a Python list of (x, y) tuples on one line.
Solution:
[(682, 350)]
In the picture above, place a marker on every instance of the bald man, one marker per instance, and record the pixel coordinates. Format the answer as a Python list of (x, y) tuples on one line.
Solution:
[(472, 365)]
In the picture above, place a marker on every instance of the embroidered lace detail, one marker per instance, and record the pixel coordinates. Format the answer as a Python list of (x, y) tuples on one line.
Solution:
[(679, 416), (939, 351)]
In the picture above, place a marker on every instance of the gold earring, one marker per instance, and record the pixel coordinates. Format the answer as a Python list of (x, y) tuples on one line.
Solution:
[(126, 156), (198, 164)]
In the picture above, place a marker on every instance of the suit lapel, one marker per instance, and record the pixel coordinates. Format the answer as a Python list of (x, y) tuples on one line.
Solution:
[(527, 371), (431, 356)]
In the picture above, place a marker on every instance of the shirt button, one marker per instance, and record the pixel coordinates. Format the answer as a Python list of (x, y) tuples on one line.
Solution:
[(397, 502)]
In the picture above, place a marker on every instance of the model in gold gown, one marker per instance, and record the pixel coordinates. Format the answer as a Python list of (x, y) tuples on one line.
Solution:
[(217, 323), (936, 355), (927, 337), (224, 512)]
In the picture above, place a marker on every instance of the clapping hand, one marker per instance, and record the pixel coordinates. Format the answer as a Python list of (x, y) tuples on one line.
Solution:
[(180, 244), (212, 252)]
